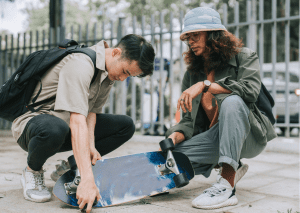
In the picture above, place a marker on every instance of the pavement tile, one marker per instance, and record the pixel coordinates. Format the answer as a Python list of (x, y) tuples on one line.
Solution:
[(284, 188), (277, 158), (15, 202), (143, 208), (268, 204), (287, 172), (260, 167), (256, 181), (9, 181), (245, 198), (178, 199)]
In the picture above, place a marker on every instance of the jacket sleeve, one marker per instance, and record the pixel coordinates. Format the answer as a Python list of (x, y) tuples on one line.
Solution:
[(248, 81), (186, 124)]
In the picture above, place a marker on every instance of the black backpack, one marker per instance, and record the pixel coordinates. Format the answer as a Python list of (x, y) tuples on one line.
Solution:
[(265, 101), (16, 92)]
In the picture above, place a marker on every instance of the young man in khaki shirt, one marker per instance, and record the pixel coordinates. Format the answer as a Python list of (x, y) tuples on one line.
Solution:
[(73, 121)]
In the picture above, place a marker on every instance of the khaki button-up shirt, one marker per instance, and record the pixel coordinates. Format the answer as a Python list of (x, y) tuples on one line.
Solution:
[(70, 81)]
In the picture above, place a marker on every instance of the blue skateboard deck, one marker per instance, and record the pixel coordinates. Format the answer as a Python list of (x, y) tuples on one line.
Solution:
[(127, 178)]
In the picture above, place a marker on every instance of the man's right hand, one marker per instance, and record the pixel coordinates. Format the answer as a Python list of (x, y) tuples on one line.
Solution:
[(86, 194)]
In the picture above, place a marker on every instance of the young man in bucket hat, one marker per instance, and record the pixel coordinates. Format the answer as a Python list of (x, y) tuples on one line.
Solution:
[(221, 123)]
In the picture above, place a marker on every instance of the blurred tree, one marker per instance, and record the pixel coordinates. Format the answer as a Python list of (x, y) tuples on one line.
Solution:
[(38, 15)]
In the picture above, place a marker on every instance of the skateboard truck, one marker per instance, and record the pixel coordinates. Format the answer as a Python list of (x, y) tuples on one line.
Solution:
[(71, 187), (170, 166)]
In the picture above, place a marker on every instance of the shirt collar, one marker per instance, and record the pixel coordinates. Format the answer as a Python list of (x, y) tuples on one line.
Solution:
[(99, 48), (232, 61)]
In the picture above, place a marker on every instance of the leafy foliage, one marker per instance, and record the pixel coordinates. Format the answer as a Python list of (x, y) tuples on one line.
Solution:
[(38, 15)]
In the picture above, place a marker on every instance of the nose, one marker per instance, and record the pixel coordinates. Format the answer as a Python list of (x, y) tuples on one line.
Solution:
[(191, 41), (123, 77)]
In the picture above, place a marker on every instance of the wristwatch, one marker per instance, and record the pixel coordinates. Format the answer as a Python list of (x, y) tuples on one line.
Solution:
[(207, 84)]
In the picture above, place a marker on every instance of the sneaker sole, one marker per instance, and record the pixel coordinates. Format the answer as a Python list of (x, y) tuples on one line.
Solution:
[(230, 202), (31, 199)]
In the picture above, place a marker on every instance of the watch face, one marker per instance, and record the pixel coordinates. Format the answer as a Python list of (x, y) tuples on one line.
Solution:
[(207, 83)]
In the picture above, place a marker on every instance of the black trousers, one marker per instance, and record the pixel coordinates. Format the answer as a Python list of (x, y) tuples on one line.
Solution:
[(45, 135)]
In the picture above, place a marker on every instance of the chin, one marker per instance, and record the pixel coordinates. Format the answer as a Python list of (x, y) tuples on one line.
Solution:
[(198, 53)]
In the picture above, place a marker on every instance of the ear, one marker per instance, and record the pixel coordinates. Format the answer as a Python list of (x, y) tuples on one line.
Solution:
[(116, 52)]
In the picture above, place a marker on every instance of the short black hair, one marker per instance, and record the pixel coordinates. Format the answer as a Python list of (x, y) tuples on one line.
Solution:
[(135, 47)]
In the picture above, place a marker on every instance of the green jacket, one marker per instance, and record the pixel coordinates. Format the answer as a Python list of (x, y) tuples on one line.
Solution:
[(246, 85)]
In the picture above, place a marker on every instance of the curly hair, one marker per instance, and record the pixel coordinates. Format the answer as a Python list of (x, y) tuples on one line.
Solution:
[(221, 46)]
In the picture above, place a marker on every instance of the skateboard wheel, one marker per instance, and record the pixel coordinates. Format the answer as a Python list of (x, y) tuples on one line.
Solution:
[(166, 145), (181, 180), (72, 162)]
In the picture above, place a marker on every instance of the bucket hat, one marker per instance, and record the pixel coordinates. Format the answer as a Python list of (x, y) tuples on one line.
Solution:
[(201, 19)]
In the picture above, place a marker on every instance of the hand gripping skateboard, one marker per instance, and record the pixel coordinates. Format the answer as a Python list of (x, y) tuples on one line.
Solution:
[(128, 178)]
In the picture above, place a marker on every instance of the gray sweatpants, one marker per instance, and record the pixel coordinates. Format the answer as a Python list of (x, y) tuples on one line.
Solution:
[(226, 142)]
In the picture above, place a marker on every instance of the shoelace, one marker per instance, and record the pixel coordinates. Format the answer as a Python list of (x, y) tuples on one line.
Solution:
[(39, 180), (214, 190)]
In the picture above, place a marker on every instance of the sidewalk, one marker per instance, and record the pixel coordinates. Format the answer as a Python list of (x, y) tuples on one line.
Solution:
[(270, 185)]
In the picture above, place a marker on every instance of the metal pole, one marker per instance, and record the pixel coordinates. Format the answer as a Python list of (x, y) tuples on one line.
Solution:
[(171, 74), (274, 50), (111, 94), (123, 84), (287, 73), (5, 76), (236, 18), (151, 131), (181, 48), (87, 34), (1, 75), (62, 19), (133, 89), (261, 37), (161, 89), (181, 52), (142, 86)]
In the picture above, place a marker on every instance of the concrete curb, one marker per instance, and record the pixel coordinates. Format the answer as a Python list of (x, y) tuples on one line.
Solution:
[(279, 144)]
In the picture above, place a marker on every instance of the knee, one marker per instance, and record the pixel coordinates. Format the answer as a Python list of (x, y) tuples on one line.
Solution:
[(233, 104), (128, 126), (54, 129)]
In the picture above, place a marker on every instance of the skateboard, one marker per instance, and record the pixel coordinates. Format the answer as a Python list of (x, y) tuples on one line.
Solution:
[(128, 178)]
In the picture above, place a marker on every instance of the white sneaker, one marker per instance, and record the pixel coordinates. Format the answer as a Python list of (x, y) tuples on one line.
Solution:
[(60, 170), (239, 173), (34, 188), (221, 194)]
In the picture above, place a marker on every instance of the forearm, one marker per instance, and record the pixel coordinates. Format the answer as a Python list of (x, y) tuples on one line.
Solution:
[(217, 89), (91, 122), (80, 145)]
